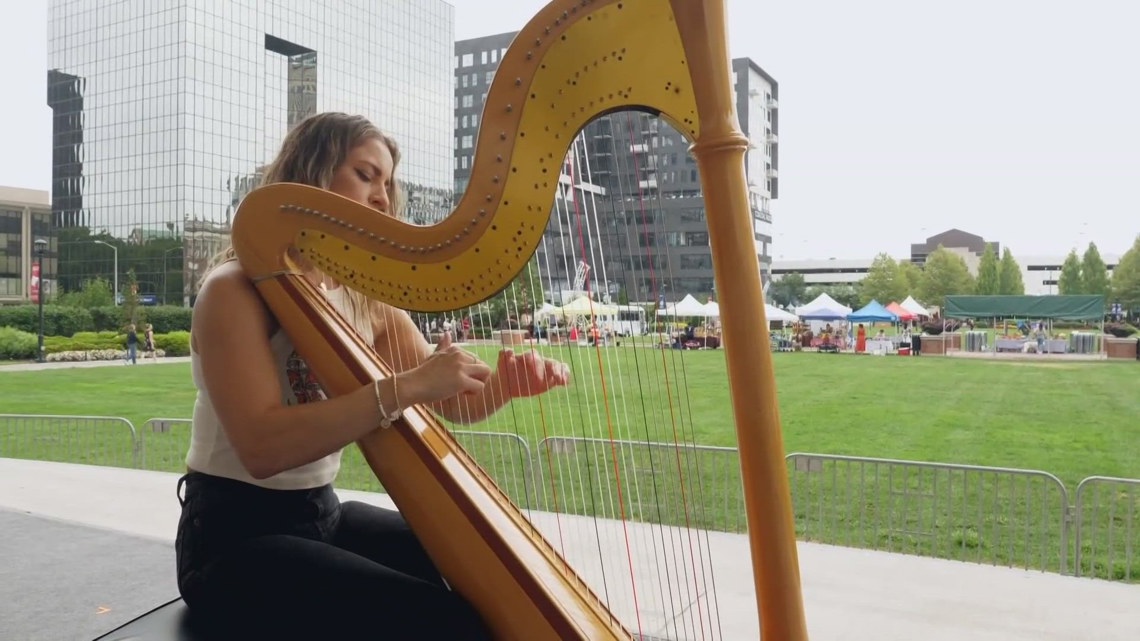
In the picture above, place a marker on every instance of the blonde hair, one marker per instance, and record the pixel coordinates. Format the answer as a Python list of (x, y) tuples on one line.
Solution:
[(310, 155)]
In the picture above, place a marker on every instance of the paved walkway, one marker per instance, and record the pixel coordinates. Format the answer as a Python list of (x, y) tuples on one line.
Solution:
[(29, 367), (850, 595)]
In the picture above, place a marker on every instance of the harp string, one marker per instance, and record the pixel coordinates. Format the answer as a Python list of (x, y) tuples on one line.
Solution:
[(609, 420), (692, 498), (694, 476), (655, 532), (643, 376), (669, 409)]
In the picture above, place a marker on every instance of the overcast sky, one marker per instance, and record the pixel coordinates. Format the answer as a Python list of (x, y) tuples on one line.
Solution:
[(1018, 120)]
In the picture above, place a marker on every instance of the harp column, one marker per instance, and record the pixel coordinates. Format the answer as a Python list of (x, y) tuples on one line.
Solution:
[(767, 497)]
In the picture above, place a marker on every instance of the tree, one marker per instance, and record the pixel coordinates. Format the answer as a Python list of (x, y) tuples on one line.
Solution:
[(843, 294), (132, 311), (1094, 273), (1126, 279), (1070, 281), (92, 293), (910, 275), (1010, 282), (989, 273), (945, 274), (882, 282), (790, 289)]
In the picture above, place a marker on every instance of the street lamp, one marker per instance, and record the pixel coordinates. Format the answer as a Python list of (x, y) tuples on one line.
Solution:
[(41, 247), (116, 249)]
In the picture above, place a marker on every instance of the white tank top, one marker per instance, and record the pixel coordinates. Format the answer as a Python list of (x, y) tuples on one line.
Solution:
[(210, 449)]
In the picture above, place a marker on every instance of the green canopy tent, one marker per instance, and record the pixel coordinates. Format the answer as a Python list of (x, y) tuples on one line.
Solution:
[(1044, 308), (1070, 308)]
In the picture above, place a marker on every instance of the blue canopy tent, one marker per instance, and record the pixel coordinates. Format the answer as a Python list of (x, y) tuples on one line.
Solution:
[(822, 314), (873, 312)]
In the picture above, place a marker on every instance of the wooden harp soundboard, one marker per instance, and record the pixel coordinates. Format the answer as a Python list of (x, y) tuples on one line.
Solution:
[(574, 61)]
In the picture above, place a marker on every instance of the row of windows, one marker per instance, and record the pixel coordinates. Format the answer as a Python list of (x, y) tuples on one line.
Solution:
[(674, 239), (466, 80), (486, 57), (467, 121)]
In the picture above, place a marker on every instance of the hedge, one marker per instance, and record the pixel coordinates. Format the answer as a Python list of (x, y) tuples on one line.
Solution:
[(60, 320), (16, 344)]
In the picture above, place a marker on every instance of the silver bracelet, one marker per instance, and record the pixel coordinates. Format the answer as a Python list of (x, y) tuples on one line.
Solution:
[(386, 419)]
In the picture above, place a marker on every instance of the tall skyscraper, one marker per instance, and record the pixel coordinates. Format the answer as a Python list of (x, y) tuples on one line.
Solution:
[(642, 183), (166, 112)]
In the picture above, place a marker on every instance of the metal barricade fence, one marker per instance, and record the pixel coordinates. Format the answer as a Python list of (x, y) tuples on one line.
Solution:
[(92, 440), (671, 484), (992, 515), (165, 442), (504, 456), (1107, 528)]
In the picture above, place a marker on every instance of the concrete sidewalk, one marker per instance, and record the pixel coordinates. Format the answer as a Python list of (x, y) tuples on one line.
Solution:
[(31, 367), (853, 595)]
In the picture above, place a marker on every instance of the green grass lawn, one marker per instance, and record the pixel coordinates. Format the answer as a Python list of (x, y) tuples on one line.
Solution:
[(1073, 420)]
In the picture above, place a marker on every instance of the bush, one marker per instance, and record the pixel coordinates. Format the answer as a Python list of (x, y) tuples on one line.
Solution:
[(174, 343), (85, 346), (17, 345), (63, 320), (168, 318)]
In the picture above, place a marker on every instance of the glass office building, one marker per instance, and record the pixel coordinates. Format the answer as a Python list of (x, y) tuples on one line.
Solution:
[(165, 113)]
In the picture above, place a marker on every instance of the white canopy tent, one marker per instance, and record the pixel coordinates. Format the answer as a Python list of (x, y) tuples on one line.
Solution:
[(687, 306), (823, 301), (584, 306), (547, 311), (912, 306), (774, 314)]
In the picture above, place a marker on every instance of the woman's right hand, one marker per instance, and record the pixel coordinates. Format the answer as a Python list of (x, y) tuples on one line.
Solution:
[(448, 372)]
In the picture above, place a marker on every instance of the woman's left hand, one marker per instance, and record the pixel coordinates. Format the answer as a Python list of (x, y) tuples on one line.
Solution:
[(529, 374)]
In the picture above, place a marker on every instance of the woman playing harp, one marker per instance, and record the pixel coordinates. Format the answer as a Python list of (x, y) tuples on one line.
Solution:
[(263, 543)]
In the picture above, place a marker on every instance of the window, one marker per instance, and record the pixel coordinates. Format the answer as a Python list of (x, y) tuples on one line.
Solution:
[(466, 142), (490, 75), (494, 55), (468, 100), (484, 57), (696, 261), (468, 60), (696, 215)]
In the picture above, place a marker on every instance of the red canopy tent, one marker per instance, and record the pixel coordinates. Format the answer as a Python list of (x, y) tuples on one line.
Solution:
[(900, 311)]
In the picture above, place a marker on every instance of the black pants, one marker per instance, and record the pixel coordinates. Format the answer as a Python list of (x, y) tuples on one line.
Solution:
[(271, 564)]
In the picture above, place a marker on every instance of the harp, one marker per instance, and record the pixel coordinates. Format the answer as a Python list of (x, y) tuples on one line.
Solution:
[(575, 61)]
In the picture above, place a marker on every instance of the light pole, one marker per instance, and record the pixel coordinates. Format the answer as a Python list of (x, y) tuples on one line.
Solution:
[(116, 249), (41, 247)]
